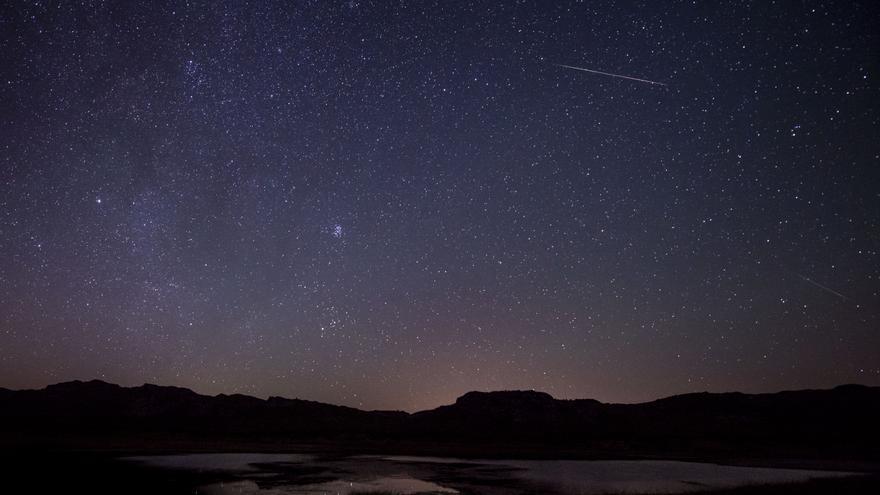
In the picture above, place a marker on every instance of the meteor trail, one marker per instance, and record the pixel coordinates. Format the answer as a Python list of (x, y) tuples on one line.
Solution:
[(826, 289), (612, 75)]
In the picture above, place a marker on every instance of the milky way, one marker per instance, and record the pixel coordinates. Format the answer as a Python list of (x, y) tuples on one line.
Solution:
[(387, 204)]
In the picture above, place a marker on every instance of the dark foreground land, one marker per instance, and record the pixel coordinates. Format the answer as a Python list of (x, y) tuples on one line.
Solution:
[(70, 436)]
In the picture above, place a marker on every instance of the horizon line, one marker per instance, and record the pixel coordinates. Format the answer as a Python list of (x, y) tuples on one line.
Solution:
[(267, 398)]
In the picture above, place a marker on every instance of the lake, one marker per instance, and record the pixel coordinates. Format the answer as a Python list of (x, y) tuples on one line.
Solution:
[(275, 474)]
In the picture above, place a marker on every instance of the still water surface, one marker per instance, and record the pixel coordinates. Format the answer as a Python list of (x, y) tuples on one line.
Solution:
[(296, 474)]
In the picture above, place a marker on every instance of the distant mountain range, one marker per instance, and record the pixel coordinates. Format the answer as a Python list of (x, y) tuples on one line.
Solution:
[(841, 422)]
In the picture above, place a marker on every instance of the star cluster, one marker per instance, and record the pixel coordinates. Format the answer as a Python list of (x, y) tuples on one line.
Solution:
[(387, 204)]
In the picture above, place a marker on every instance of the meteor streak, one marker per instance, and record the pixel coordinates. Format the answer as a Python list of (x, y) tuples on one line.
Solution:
[(826, 289), (612, 75)]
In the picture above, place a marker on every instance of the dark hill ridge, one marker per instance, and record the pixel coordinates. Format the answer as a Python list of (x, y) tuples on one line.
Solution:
[(97, 407), (837, 422)]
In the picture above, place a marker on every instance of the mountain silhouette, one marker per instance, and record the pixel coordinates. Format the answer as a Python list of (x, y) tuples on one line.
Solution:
[(840, 422)]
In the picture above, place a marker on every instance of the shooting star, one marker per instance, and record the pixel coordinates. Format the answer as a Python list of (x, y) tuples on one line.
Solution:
[(826, 289), (612, 75)]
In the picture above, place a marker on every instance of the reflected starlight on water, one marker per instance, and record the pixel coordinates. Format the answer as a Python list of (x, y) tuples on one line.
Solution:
[(271, 474)]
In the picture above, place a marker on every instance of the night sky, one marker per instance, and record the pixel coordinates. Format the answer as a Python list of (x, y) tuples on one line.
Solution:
[(387, 204)]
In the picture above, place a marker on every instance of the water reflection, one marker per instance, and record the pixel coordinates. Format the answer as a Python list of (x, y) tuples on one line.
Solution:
[(271, 474), (588, 477), (398, 485), (219, 462)]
